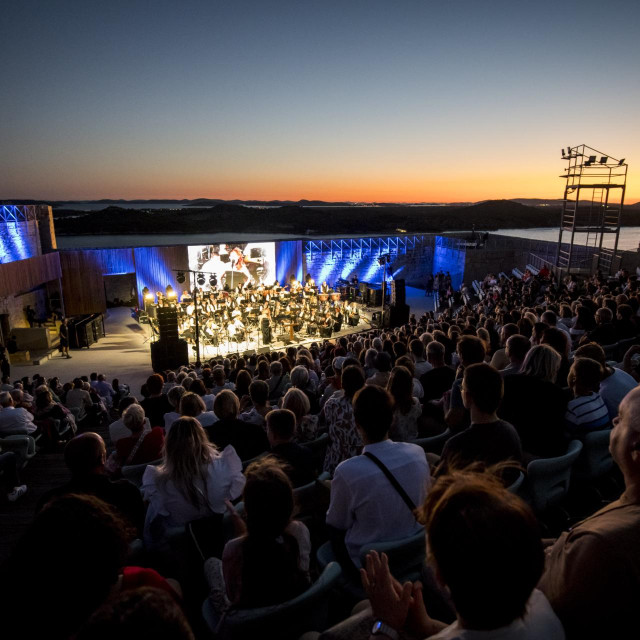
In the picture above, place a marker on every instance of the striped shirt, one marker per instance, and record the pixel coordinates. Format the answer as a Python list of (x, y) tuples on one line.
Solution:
[(585, 414)]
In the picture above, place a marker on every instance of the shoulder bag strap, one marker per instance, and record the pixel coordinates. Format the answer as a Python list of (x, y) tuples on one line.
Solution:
[(136, 446), (392, 479)]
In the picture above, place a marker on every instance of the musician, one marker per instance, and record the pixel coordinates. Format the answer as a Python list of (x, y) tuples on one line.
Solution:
[(236, 328), (354, 315), (265, 325), (186, 296), (324, 287)]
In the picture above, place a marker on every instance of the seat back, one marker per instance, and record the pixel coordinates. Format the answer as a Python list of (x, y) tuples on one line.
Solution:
[(22, 445), (406, 556), (433, 444), (318, 448), (134, 472), (623, 347), (306, 612), (595, 460), (514, 487), (548, 478)]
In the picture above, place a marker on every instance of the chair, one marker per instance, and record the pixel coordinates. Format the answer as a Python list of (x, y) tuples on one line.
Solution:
[(306, 612), (22, 445), (134, 472), (595, 461), (623, 347), (406, 556), (514, 487), (548, 478), (433, 444), (611, 351), (318, 448)]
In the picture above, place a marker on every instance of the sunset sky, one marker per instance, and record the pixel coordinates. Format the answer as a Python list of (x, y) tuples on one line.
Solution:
[(457, 100)]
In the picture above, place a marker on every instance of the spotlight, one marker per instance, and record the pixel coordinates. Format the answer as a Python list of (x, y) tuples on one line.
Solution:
[(180, 277), (213, 280), (563, 154), (604, 159), (621, 162), (170, 292), (200, 279), (568, 151), (149, 296), (145, 290)]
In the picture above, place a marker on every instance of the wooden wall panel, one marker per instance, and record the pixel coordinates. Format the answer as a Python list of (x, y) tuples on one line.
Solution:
[(22, 275), (83, 271), (82, 283)]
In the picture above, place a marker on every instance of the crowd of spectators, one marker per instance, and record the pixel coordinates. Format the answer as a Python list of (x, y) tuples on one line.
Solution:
[(534, 364)]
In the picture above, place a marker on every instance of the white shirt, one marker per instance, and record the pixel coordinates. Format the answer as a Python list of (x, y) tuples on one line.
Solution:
[(117, 430), (365, 504), (169, 419), (16, 420), (538, 623), (208, 401), (207, 418), (224, 481)]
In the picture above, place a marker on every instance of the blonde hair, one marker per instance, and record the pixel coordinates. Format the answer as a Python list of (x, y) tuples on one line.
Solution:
[(542, 361), (296, 401), (186, 455)]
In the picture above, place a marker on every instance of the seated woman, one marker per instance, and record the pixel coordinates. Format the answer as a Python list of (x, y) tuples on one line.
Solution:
[(345, 439), (406, 407), (174, 396), (268, 563), (485, 548), (193, 481), (192, 406), (53, 420), (306, 424), (144, 444)]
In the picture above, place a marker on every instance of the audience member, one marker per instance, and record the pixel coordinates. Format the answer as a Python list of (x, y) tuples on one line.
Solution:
[(365, 506)]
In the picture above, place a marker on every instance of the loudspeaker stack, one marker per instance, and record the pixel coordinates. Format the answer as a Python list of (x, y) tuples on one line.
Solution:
[(398, 292)]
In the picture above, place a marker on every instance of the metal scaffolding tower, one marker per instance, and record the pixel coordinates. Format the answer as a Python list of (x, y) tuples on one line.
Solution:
[(591, 211)]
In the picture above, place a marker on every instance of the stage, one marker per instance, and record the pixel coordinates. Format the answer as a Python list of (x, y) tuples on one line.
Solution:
[(418, 303)]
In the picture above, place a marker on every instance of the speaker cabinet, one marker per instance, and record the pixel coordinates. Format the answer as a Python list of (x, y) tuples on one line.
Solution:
[(396, 315), (375, 297), (376, 319), (167, 322), (398, 292), (169, 354)]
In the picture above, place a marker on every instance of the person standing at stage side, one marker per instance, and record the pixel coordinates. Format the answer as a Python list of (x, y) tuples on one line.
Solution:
[(64, 338)]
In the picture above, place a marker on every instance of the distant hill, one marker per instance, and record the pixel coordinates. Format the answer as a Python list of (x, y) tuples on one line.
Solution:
[(301, 221)]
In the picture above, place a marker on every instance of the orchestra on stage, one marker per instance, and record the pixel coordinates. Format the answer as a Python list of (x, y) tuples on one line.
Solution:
[(259, 313)]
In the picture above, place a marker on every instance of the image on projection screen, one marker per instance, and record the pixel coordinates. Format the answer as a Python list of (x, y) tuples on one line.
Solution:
[(235, 264)]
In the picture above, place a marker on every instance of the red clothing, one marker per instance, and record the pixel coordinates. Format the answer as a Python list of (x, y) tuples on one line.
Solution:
[(149, 450), (136, 577)]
